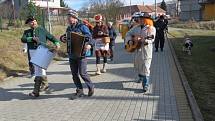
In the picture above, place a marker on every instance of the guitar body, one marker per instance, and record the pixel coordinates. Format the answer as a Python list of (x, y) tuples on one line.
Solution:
[(132, 47)]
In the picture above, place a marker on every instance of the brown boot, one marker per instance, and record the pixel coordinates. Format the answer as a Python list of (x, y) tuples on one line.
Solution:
[(91, 91), (79, 92), (37, 85), (44, 85)]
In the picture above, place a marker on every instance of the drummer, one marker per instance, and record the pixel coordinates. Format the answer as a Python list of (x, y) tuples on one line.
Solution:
[(101, 48), (34, 37)]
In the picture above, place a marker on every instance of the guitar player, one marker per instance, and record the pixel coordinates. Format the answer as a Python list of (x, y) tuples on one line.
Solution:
[(145, 35)]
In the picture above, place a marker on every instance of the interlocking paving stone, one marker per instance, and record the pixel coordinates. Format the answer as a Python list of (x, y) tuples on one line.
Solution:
[(117, 96)]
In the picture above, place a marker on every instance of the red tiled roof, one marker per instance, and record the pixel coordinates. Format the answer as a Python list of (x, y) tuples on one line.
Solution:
[(140, 8), (152, 8), (143, 8)]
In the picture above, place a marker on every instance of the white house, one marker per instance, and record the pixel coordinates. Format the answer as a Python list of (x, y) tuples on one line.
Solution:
[(54, 5), (50, 3)]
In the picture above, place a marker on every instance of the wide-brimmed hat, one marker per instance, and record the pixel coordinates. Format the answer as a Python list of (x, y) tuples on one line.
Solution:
[(73, 13), (29, 19), (144, 15), (136, 15)]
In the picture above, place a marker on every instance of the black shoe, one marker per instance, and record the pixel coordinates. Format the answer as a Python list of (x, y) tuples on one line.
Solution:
[(156, 50), (161, 49), (33, 94), (145, 89), (111, 59), (91, 92)]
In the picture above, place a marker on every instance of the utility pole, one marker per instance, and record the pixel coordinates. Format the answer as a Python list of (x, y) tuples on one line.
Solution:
[(14, 16), (155, 8), (48, 11), (130, 7)]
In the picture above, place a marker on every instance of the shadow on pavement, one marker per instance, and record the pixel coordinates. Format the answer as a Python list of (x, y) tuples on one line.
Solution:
[(16, 93)]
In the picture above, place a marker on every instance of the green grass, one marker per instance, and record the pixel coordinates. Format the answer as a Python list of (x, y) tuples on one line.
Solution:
[(199, 68), (13, 61), (207, 25)]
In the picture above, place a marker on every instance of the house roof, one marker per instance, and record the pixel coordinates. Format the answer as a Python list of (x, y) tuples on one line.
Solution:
[(152, 8), (64, 8), (140, 8)]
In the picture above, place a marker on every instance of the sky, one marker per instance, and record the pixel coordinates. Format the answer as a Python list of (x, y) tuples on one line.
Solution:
[(77, 4)]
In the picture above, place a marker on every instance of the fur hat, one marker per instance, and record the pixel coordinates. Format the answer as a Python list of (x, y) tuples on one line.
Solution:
[(98, 18), (72, 13)]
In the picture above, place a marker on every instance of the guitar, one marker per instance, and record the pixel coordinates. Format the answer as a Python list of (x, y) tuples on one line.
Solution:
[(133, 44)]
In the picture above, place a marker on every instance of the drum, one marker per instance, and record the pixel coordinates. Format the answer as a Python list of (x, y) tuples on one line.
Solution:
[(42, 57), (75, 44)]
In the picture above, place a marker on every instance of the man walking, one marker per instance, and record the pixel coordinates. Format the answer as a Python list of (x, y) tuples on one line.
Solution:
[(34, 37), (78, 65), (161, 26), (144, 35), (112, 35)]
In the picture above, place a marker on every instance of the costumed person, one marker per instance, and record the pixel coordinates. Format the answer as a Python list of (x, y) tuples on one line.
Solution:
[(144, 35), (112, 35), (34, 37), (100, 36), (161, 27), (78, 65)]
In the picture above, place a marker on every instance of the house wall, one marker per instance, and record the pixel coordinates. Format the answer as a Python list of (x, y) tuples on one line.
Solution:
[(172, 9), (18, 4), (52, 3), (189, 9), (209, 12)]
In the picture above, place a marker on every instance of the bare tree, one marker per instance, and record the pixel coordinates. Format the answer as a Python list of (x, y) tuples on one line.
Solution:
[(108, 8)]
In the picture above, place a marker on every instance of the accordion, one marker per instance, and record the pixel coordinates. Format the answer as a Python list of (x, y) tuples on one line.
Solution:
[(75, 44)]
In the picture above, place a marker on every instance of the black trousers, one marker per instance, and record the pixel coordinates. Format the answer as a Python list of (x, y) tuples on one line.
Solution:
[(159, 40), (111, 47), (79, 67)]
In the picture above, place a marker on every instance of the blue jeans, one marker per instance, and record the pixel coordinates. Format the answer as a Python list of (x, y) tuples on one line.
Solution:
[(79, 67), (145, 80)]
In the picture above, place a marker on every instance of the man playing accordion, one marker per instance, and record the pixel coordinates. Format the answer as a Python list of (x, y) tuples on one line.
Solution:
[(78, 65)]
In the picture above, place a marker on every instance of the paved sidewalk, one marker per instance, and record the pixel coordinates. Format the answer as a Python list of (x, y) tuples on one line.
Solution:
[(117, 97)]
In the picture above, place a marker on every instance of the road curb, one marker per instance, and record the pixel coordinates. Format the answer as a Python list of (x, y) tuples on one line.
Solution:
[(197, 115), (10, 77)]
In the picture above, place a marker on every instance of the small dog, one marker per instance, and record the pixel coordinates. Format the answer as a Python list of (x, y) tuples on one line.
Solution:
[(187, 44)]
